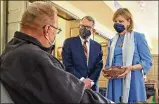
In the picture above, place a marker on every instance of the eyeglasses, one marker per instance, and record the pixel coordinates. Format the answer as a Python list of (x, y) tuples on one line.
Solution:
[(58, 29), (87, 27)]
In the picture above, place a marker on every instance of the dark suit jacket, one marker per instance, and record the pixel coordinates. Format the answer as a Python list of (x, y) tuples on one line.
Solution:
[(75, 61)]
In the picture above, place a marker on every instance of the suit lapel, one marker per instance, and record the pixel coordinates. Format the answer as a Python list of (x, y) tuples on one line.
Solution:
[(80, 50), (90, 53)]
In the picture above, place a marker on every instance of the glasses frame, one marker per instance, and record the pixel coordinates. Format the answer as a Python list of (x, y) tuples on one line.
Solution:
[(87, 27), (59, 29)]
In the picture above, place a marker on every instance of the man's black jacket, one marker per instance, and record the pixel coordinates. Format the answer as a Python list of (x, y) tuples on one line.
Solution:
[(31, 75)]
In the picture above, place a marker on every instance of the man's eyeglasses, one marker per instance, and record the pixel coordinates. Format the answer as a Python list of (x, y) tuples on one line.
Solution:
[(87, 27), (58, 29)]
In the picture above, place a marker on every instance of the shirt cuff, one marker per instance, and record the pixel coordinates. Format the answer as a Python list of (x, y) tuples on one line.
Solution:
[(92, 83), (81, 79)]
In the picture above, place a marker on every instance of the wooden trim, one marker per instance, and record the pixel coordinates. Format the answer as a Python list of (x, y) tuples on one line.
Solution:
[(59, 53), (155, 55)]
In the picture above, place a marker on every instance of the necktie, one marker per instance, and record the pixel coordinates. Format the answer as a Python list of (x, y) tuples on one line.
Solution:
[(85, 48)]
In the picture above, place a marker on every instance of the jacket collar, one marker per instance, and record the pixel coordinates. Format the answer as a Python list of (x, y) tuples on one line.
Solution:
[(30, 39)]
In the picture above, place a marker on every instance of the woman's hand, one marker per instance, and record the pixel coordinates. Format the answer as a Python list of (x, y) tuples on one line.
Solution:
[(128, 69), (105, 75)]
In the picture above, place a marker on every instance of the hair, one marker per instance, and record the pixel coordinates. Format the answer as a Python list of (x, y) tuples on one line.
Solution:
[(89, 18), (38, 14), (127, 15)]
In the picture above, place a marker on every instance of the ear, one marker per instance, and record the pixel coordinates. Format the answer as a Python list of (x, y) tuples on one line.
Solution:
[(46, 29)]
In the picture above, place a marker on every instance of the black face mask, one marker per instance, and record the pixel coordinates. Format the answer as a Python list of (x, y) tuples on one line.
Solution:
[(84, 33), (119, 27)]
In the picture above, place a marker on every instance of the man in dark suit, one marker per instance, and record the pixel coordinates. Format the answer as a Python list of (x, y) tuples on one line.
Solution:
[(82, 56)]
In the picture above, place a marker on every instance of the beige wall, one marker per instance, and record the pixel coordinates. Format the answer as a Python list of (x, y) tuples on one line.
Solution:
[(153, 73), (98, 10), (15, 11), (2, 25), (61, 36), (155, 43), (72, 28)]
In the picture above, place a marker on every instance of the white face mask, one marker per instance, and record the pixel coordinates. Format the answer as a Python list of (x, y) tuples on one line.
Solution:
[(51, 43)]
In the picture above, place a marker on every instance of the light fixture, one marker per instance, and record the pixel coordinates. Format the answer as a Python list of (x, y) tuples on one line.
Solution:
[(142, 4)]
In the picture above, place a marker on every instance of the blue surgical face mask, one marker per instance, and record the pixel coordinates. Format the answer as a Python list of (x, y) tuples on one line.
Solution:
[(119, 27)]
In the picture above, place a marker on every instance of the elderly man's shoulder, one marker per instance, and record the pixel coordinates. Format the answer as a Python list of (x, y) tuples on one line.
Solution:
[(23, 53), (27, 50)]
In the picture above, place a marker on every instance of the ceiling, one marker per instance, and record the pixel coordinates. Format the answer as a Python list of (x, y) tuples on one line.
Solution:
[(145, 15), (98, 10)]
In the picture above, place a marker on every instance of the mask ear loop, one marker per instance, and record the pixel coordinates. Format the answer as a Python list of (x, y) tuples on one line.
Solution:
[(46, 37), (52, 43)]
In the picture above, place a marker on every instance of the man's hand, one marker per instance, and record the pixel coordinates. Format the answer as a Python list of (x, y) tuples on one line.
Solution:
[(87, 82)]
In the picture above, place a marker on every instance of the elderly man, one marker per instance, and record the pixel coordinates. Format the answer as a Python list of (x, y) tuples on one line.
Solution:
[(30, 74)]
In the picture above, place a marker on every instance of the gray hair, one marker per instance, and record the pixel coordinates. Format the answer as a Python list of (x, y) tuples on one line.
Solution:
[(89, 18), (38, 14)]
